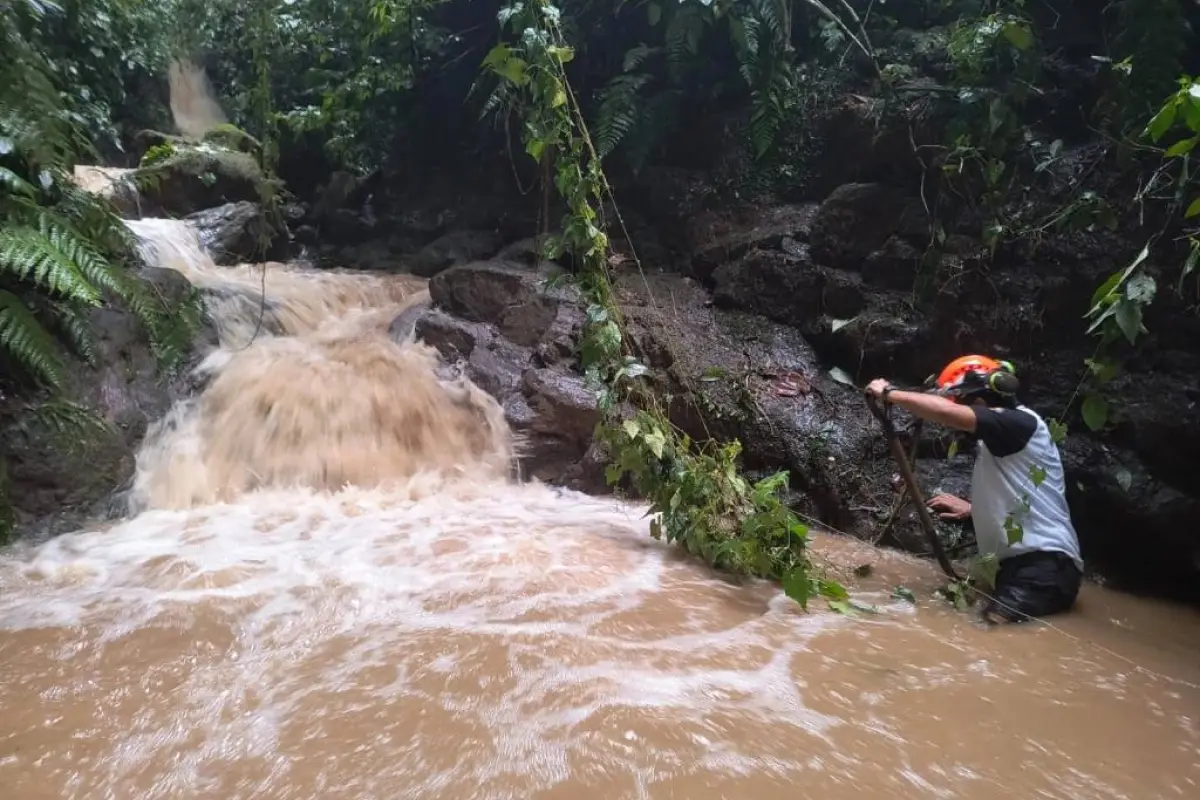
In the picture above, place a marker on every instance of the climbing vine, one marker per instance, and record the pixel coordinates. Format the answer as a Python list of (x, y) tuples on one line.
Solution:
[(698, 497)]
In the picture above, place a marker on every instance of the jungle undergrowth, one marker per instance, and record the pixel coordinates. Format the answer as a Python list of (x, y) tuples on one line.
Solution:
[(698, 496)]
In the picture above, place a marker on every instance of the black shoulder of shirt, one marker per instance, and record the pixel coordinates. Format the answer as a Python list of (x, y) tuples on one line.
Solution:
[(1005, 431)]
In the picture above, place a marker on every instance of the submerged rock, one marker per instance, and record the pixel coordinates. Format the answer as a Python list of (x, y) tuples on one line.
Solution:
[(234, 233)]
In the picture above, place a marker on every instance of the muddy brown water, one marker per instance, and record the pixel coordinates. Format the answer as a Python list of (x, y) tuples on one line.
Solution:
[(260, 630)]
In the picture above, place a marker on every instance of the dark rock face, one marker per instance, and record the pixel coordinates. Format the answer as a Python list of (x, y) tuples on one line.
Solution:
[(716, 239), (233, 233), (859, 218), (546, 404), (514, 337), (454, 248), (54, 488), (851, 291), (508, 295)]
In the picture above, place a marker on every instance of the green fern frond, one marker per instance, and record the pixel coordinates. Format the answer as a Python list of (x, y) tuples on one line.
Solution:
[(637, 56), (659, 115), (684, 32), (32, 256), (72, 324), (24, 339), (75, 429), (618, 111), (16, 184)]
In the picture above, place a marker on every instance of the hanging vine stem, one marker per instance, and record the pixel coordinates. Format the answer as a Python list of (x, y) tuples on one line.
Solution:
[(698, 497)]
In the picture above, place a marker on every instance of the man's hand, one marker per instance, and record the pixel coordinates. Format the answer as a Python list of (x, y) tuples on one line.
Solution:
[(949, 507), (877, 387)]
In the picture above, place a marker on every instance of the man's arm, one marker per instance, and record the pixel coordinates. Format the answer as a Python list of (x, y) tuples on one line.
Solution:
[(928, 407)]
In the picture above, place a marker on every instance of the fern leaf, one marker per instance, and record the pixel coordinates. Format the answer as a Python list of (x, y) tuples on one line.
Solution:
[(16, 184), (637, 56), (34, 257), (683, 39), (73, 326), (618, 112), (24, 339)]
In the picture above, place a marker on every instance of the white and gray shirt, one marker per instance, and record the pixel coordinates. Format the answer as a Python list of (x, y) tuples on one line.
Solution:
[(1018, 478)]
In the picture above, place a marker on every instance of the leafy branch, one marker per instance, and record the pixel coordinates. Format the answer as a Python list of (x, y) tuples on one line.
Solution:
[(697, 494)]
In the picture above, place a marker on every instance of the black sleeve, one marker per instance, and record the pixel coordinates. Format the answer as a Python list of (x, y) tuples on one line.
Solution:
[(1004, 431)]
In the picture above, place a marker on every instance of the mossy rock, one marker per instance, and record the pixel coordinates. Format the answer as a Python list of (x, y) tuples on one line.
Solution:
[(195, 177)]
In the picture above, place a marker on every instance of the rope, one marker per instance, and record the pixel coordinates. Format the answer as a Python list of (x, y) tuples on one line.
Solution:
[(1079, 640)]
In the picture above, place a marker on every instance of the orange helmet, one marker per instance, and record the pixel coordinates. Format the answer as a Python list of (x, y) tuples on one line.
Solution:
[(969, 375)]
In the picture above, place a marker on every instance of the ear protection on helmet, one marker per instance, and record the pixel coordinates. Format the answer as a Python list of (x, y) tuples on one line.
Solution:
[(969, 377)]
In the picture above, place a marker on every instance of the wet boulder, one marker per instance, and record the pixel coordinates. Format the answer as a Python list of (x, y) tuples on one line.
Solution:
[(858, 218), (740, 375), (718, 238), (234, 233), (786, 287), (511, 296), (193, 178), (549, 407), (458, 247)]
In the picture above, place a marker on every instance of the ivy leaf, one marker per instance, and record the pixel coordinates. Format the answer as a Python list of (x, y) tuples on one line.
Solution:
[(798, 586), (1182, 147), (1193, 209), (1094, 412), (1129, 318), (632, 429), (1013, 531), (1114, 282), (1037, 474), (1058, 431), (952, 450), (1162, 121), (656, 442), (563, 54)]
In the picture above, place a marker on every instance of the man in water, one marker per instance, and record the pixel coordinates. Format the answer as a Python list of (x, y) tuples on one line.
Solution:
[(1018, 502)]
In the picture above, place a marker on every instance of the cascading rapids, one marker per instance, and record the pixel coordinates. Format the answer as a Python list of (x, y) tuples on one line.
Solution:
[(314, 395)]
